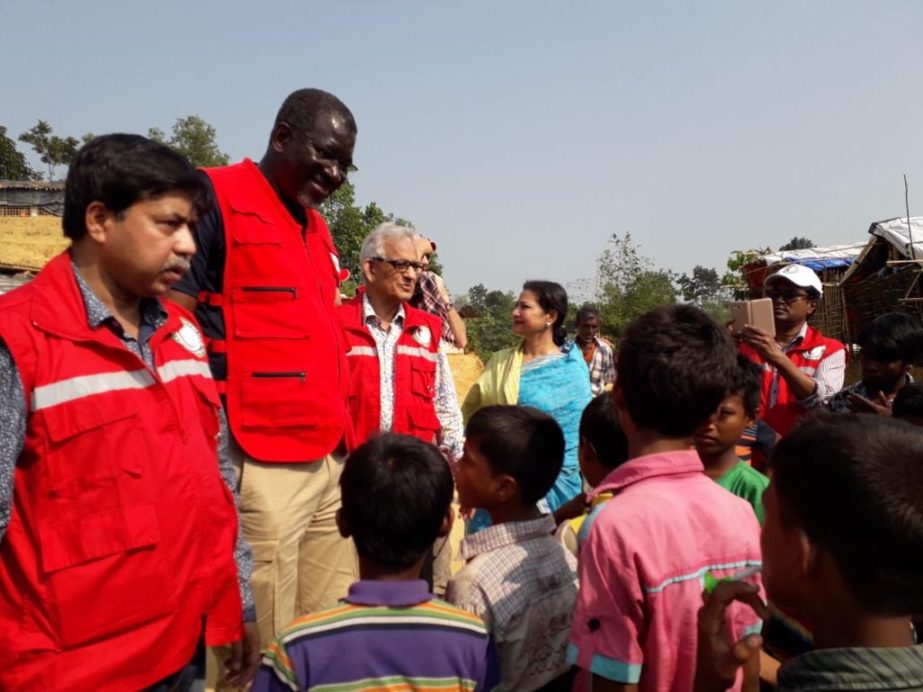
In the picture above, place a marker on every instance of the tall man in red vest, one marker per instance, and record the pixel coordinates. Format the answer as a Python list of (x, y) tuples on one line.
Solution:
[(400, 381), (802, 368), (264, 286), (117, 532)]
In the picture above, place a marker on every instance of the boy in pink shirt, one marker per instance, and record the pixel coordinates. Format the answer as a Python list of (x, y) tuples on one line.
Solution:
[(647, 551)]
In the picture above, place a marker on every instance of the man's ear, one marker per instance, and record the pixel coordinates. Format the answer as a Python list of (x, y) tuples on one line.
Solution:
[(367, 271), (96, 220), (806, 553), (281, 135), (813, 305), (445, 528), (342, 526)]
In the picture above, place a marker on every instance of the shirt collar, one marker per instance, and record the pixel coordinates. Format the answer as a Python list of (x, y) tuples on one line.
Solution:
[(370, 592), (500, 535), (678, 463), (368, 313), (151, 309), (855, 669), (799, 337)]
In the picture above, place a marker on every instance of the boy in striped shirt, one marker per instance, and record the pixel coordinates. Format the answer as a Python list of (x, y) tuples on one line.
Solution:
[(389, 633)]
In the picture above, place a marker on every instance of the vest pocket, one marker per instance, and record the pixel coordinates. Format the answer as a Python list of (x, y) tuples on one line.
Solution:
[(104, 573), (275, 399), (90, 446), (269, 312)]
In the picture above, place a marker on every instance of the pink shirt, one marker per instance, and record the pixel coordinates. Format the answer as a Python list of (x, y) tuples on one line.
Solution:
[(642, 570)]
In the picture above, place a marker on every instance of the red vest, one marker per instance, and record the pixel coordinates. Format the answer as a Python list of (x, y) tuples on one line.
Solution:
[(416, 353), (286, 387), (807, 355), (122, 533)]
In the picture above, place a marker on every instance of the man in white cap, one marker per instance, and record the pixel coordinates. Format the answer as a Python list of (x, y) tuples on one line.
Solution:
[(801, 367)]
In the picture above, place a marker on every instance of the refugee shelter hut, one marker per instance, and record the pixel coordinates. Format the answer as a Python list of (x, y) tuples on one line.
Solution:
[(829, 263), (886, 275), (31, 198)]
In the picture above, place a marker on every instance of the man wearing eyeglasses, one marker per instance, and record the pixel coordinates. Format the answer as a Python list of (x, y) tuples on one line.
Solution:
[(400, 380), (263, 285), (802, 368)]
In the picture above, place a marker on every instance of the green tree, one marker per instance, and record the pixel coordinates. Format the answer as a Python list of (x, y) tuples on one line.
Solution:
[(734, 280), (52, 150), (491, 329), (629, 285), (13, 163), (704, 288), (195, 139), (797, 243)]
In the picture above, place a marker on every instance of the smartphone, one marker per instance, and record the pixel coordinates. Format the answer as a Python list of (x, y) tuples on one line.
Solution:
[(757, 312)]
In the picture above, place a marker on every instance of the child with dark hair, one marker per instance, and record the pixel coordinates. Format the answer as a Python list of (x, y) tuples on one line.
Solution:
[(603, 448), (649, 549), (908, 404), (517, 576), (716, 440), (890, 345), (856, 575), (389, 632)]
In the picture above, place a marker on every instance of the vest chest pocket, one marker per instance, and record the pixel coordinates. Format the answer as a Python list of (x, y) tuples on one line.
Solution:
[(423, 379), (269, 312), (90, 446)]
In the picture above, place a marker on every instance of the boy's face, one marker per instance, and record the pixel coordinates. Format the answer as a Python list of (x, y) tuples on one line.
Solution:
[(880, 372), (592, 470), (723, 429), (782, 550), (474, 478)]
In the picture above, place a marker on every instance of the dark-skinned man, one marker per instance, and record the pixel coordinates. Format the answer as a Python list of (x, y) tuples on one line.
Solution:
[(117, 531), (802, 368), (597, 352), (264, 286)]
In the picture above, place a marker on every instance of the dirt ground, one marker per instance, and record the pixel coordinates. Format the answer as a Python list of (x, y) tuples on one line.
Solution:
[(28, 242)]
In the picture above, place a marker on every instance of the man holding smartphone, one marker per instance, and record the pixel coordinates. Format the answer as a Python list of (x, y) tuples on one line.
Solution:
[(802, 368)]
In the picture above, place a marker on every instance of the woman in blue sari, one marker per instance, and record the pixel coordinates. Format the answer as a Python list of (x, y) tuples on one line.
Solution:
[(540, 374)]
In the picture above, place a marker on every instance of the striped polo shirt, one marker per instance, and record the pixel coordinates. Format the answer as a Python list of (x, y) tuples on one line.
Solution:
[(385, 635)]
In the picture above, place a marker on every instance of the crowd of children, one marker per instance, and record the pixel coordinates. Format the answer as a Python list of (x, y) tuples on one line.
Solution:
[(657, 577)]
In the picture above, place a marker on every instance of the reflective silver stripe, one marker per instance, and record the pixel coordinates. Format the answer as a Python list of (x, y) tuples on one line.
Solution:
[(419, 352), (362, 351), (183, 368), (807, 370), (87, 385)]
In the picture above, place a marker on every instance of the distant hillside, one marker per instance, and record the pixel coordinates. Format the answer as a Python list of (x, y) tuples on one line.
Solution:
[(28, 242)]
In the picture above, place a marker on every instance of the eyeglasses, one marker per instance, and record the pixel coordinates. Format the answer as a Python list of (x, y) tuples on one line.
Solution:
[(785, 296), (325, 157), (401, 265)]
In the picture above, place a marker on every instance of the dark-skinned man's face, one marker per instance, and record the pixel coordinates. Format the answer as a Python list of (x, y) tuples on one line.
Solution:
[(317, 162)]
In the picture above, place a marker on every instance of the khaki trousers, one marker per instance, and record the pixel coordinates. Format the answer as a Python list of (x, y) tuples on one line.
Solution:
[(301, 564)]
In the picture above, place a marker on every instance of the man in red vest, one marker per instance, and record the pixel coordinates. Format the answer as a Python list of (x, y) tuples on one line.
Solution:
[(400, 381), (117, 531), (264, 286), (802, 368)]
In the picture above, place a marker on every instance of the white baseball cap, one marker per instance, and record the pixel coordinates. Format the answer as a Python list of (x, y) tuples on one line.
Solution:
[(799, 275)]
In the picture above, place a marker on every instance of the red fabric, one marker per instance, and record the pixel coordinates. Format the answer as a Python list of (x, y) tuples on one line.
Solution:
[(122, 534), (414, 374), (807, 355), (287, 375)]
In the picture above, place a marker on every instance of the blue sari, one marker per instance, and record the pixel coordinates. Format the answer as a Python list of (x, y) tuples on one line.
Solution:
[(559, 385)]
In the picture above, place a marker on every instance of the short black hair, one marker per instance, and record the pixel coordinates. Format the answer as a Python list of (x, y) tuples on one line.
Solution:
[(396, 491), (302, 108), (893, 336), (585, 313), (746, 382), (853, 484), (674, 365), (551, 296), (909, 401), (521, 442), (122, 169), (599, 425)]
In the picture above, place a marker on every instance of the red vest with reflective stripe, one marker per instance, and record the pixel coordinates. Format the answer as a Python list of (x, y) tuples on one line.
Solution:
[(287, 381), (416, 352), (122, 534), (807, 355)]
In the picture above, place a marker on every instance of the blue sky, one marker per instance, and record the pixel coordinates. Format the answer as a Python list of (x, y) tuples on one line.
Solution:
[(520, 135)]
